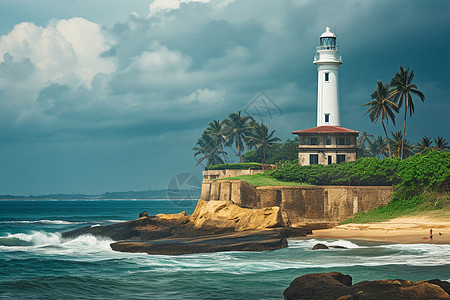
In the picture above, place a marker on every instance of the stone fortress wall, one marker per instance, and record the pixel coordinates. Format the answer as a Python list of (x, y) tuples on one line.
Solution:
[(300, 205)]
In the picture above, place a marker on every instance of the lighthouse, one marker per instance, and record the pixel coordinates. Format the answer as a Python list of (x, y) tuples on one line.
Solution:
[(327, 143), (327, 61)]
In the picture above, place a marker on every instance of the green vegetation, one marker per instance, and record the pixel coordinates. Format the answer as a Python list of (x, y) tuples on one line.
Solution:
[(404, 89), (262, 179), (410, 206), (423, 183), (382, 107), (242, 166), (364, 171), (235, 131), (422, 172), (277, 153), (387, 99)]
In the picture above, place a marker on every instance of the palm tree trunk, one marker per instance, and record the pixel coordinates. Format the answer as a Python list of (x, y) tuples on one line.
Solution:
[(239, 150), (404, 124), (387, 138), (264, 156), (223, 153)]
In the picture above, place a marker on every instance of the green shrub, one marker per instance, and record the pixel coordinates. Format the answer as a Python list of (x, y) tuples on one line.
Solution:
[(429, 171), (238, 166), (364, 171)]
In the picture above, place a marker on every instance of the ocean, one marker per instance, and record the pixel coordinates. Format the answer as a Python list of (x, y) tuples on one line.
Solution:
[(37, 263)]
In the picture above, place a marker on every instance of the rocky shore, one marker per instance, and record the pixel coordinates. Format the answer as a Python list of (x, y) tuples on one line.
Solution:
[(214, 226), (335, 285)]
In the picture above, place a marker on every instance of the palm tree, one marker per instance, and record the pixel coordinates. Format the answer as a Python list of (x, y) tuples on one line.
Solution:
[(363, 138), (377, 147), (260, 138), (424, 144), (217, 132), (236, 128), (362, 150), (210, 150), (400, 146), (441, 143), (382, 107), (405, 89)]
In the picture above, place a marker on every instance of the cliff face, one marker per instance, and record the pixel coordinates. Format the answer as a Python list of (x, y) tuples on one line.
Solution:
[(300, 205)]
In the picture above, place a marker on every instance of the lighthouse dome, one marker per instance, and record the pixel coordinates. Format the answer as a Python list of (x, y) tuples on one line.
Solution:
[(327, 33), (328, 40)]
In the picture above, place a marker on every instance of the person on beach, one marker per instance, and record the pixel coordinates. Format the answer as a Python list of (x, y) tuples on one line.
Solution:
[(431, 234)]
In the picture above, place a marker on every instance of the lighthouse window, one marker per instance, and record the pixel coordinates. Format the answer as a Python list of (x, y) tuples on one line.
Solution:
[(327, 118), (327, 77), (341, 141)]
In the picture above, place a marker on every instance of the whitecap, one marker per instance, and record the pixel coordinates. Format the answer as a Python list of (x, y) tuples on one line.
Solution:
[(48, 222)]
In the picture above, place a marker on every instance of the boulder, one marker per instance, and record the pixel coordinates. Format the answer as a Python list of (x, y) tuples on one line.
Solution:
[(226, 214), (336, 285), (144, 214), (320, 246), (319, 286)]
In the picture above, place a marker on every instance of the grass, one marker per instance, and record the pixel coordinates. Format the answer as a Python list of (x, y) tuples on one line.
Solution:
[(434, 204), (262, 180)]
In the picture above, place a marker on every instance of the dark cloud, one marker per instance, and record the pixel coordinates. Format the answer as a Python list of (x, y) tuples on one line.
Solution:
[(168, 75)]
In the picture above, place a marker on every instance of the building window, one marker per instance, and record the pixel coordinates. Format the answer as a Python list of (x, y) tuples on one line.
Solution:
[(341, 141), (330, 160), (327, 118), (313, 141), (328, 142), (327, 77), (314, 159), (340, 158)]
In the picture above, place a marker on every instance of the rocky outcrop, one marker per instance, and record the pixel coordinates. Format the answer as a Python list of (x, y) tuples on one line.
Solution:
[(260, 240), (336, 285), (226, 214), (214, 226), (320, 246)]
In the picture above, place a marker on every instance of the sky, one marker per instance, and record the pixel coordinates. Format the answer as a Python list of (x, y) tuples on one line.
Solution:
[(104, 95)]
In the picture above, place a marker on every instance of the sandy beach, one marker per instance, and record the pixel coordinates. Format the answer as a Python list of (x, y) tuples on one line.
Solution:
[(404, 230)]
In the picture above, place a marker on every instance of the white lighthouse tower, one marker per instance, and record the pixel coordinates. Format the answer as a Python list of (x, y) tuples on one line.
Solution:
[(328, 60), (328, 143)]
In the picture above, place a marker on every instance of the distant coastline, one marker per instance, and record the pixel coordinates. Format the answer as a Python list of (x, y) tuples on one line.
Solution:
[(162, 194)]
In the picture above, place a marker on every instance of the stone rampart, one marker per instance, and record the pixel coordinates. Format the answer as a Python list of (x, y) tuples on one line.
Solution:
[(300, 205)]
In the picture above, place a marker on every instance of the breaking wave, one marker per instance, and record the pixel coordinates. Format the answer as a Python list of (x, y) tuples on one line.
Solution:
[(43, 222), (54, 243)]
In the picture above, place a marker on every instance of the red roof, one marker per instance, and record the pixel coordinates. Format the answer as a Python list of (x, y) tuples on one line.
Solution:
[(325, 129)]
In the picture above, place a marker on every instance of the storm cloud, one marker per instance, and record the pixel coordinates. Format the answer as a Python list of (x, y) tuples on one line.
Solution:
[(91, 107)]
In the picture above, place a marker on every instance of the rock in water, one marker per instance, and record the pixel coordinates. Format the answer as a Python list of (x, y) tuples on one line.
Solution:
[(336, 285), (338, 247), (320, 246), (319, 286), (144, 214)]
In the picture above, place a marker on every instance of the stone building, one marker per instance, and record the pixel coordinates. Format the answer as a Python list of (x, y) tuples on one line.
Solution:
[(327, 143)]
